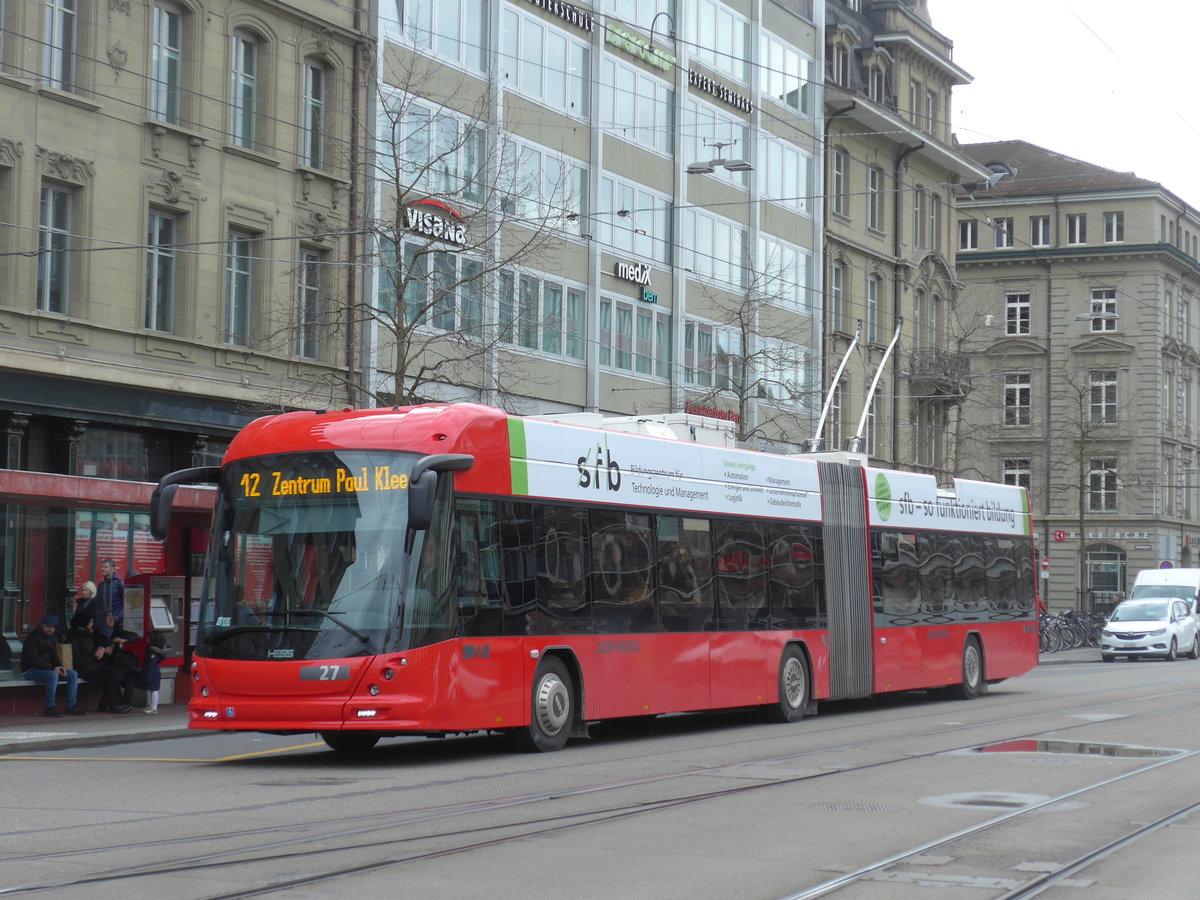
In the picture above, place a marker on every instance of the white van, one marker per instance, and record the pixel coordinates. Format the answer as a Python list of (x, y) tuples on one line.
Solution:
[(1182, 583)]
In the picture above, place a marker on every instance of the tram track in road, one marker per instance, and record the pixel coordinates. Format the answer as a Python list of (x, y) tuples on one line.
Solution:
[(367, 832)]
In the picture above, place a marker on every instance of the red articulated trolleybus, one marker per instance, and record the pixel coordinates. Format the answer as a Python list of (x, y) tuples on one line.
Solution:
[(451, 568)]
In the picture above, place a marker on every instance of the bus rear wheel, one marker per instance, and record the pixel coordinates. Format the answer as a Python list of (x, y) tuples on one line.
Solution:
[(972, 672), (552, 708), (793, 688), (350, 741)]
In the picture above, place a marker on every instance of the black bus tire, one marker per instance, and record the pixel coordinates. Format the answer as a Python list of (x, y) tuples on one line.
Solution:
[(349, 741), (793, 688), (972, 671), (552, 708)]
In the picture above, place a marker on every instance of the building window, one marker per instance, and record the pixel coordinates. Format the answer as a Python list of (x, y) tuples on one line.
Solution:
[(1017, 471), (1016, 312), (1114, 227), (872, 430), (441, 290), (637, 105), (915, 92), (243, 101), (453, 29), (968, 234), (1018, 409), (876, 84), (1104, 309), (312, 153), (1104, 396), (720, 37), (838, 179), (875, 198), (239, 286), (1076, 228), (919, 216), (58, 43), (436, 152), (786, 177), (631, 219), (931, 113), (786, 75), (161, 239), (839, 64), (1039, 231), (1004, 233), (837, 296), (542, 314), (873, 286), (541, 62), (166, 64), (714, 247), (781, 371), (54, 249), (935, 221), (712, 356), (1102, 484), (308, 304), (782, 274), (918, 319)]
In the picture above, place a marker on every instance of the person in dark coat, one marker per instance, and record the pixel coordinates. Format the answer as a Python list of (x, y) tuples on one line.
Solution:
[(90, 651), (110, 598), (41, 662), (150, 677)]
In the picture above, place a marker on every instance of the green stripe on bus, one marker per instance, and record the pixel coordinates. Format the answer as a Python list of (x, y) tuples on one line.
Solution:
[(516, 450)]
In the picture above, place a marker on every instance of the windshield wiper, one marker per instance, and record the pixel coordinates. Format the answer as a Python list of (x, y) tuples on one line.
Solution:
[(212, 638), (326, 614)]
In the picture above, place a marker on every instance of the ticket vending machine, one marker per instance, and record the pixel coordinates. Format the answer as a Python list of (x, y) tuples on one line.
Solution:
[(158, 603)]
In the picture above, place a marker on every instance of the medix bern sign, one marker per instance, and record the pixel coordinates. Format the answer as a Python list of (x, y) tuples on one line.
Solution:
[(429, 217)]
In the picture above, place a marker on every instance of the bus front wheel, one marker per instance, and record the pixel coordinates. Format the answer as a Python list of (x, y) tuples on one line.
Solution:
[(350, 741), (972, 672), (552, 708), (793, 688)]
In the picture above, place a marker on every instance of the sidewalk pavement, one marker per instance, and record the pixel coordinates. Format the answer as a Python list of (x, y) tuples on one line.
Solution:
[(29, 733)]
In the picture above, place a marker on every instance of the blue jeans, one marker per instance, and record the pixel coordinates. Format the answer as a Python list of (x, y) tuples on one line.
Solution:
[(49, 677)]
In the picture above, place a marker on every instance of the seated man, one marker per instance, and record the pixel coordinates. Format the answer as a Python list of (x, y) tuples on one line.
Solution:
[(40, 662)]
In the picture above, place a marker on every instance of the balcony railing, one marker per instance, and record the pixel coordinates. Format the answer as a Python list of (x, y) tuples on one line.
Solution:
[(942, 373)]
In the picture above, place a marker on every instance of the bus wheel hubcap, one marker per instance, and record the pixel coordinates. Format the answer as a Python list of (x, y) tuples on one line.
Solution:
[(552, 704), (793, 682)]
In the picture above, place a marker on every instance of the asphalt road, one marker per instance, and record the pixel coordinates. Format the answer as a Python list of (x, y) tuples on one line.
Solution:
[(1071, 777)]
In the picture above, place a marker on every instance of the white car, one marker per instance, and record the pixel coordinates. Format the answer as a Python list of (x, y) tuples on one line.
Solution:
[(1162, 627)]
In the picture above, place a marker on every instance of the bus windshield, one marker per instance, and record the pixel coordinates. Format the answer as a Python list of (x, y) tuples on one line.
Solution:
[(308, 558)]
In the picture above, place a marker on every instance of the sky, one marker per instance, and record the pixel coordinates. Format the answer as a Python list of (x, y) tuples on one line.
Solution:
[(1106, 81)]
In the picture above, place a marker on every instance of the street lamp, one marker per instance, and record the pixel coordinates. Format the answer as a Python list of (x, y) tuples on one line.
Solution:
[(707, 168)]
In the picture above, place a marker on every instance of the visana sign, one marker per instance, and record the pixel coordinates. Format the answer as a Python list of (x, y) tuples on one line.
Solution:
[(418, 217)]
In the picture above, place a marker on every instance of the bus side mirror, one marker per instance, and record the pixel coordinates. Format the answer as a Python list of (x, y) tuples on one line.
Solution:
[(168, 487), (160, 510), (420, 500)]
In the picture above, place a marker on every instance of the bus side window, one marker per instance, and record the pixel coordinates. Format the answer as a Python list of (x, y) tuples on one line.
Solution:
[(622, 573), (741, 575), (518, 566), (562, 597), (479, 599), (796, 582)]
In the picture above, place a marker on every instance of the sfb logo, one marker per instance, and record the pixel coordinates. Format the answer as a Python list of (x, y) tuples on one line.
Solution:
[(591, 469)]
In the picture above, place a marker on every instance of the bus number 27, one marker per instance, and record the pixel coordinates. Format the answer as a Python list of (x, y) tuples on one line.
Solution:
[(325, 673)]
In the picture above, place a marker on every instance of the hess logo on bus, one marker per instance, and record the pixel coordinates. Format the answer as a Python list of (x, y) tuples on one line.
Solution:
[(600, 471)]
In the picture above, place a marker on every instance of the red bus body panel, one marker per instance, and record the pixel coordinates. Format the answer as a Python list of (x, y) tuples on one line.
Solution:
[(485, 683)]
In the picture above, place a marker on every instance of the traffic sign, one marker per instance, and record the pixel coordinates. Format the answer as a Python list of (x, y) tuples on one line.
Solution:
[(1166, 564)]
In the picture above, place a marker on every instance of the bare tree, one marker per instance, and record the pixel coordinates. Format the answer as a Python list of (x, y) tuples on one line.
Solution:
[(463, 217), (762, 359)]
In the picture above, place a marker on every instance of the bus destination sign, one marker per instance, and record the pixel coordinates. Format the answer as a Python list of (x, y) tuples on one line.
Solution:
[(341, 481)]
